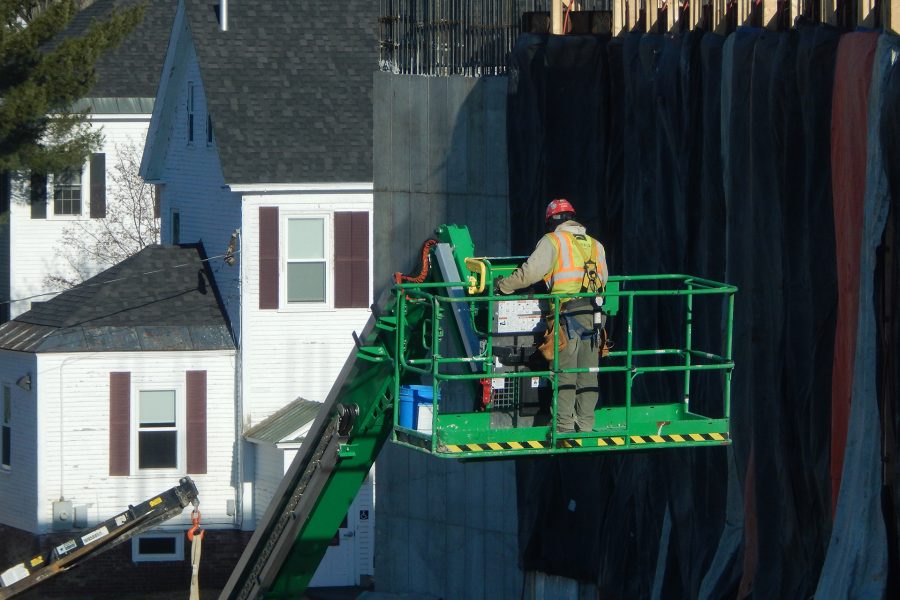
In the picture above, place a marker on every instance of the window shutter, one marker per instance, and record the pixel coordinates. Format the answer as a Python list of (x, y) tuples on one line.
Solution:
[(119, 423), (38, 196), (5, 191), (196, 422), (98, 185), (157, 199), (268, 257), (351, 260)]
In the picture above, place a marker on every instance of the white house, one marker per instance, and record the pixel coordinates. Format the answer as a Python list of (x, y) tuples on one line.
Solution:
[(261, 145), (42, 208), (112, 391)]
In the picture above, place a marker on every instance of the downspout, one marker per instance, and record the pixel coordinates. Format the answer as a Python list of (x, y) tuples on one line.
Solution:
[(239, 391)]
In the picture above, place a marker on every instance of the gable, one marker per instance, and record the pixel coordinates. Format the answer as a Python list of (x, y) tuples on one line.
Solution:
[(289, 103), (178, 55)]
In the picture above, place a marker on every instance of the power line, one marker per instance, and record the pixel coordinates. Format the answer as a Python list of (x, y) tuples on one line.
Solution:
[(116, 280)]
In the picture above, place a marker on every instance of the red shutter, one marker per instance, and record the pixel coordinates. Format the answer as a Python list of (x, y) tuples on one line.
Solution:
[(351, 260), (268, 257), (196, 422), (119, 423)]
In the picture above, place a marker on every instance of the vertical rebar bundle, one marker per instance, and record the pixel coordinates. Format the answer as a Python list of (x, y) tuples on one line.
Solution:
[(455, 37)]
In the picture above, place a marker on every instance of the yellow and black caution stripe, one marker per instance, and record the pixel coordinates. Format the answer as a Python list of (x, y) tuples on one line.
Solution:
[(496, 446), (579, 442), (674, 438)]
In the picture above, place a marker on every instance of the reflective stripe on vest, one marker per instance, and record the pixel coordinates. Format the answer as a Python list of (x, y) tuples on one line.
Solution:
[(568, 272)]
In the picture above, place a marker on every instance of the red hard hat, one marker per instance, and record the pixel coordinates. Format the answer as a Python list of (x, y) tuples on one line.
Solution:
[(559, 205)]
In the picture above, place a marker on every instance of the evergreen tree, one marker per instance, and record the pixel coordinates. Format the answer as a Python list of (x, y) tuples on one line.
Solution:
[(41, 78)]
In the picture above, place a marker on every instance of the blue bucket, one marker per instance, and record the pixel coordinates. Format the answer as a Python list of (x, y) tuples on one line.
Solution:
[(411, 396)]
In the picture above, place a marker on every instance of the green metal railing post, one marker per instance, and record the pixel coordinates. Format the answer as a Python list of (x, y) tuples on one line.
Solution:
[(688, 320), (629, 374), (728, 357)]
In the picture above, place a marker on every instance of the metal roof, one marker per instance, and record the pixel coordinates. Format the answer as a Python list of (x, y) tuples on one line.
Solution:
[(278, 426)]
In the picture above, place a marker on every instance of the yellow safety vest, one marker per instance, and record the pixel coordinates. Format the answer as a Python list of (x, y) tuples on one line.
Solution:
[(573, 250)]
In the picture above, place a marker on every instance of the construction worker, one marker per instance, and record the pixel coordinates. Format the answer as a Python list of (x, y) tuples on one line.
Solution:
[(569, 261)]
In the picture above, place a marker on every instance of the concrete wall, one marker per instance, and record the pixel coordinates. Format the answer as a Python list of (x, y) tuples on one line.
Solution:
[(444, 528)]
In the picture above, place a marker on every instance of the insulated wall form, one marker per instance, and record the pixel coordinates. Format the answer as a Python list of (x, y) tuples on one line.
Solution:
[(444, 528)]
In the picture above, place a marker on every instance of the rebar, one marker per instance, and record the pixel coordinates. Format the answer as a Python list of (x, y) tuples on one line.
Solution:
[(455, 37)]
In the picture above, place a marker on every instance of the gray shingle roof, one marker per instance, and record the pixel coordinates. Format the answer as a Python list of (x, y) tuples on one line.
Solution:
[(289, 87), (133, 69), (278, 426), (162, 298)]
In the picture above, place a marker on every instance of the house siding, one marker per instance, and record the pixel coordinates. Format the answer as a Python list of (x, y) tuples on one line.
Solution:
[(74, 450), (36, 248), (19, 483), (195, 188), (292, 352)]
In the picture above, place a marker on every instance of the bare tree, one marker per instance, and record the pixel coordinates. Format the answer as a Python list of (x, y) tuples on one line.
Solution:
[(89, 246)]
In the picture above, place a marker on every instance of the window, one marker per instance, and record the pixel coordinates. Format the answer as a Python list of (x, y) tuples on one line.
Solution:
[(157, 427), (190, 112), (6, 430), (157, 430), (313, 260), (209, 133), (176, 227), (306, 260), (157, 547), (67, 192)]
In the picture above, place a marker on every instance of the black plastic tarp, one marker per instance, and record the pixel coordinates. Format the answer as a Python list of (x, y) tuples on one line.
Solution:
[(887, 301), (717, 162)]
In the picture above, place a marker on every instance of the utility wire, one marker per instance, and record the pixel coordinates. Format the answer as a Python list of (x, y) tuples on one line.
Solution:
[(117, 279)]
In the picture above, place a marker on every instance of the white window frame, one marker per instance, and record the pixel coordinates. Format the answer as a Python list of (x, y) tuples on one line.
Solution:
[(5, 424), (51, 196), (137, 557), (327, 218), (180, 426)]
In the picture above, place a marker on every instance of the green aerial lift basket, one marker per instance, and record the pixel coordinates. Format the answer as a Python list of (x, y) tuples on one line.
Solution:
[(445, 367), (489, 397)]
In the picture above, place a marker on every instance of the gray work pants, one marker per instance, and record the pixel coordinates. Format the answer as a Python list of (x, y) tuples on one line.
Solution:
[(577, 394)]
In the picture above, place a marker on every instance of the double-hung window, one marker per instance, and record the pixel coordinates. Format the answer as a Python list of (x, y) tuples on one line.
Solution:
[(6, 429), (67, 192), (306, 261), (313, 260), (157, 429)]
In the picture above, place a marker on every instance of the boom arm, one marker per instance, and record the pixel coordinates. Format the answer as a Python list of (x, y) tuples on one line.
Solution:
[(91, 542)]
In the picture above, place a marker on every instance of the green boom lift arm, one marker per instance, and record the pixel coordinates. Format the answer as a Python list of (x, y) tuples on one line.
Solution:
[(450, 333)]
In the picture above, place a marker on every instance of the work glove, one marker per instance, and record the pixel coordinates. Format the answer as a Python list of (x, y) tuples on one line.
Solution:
[(496, 290)]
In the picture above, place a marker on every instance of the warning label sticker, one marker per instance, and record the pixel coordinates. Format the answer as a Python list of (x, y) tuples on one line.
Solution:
[(66, 547), (95, 535)]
